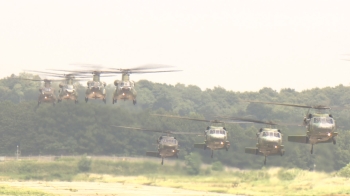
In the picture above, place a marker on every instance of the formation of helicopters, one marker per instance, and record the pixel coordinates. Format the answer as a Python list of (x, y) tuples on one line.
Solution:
[(320, 128), (96, 89), (320, 125)]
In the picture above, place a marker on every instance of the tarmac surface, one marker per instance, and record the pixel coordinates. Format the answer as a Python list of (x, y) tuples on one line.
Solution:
[(105, 189)]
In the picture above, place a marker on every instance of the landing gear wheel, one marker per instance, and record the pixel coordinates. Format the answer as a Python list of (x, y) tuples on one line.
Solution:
[(176, 156), (39, 103), (312, 149), (86, 99), (59, 100), (282, 152), (226, 148), (134, 101), (334, 141), (114, 101)]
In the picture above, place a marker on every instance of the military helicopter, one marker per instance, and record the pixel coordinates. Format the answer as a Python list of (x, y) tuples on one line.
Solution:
[(320, 125), (95, 88), (167, 145), (125, 88), (269, 140), (216, 137), (67, 88), (47, 92)]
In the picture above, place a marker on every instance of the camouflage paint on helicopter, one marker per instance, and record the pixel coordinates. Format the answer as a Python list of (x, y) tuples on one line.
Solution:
[(216, 137), (320, 126), (68, 90), (47, 92), (168, 146), (269, 140), (95, 88), (125, 89)]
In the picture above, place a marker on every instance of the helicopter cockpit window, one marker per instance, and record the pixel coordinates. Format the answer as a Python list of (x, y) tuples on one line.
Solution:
[(170, 141), (277, 135), (70, 87), (323, 120), (222, 132), (317, 120), (329, 120), (47, 89), (212, 132), (264, 134)]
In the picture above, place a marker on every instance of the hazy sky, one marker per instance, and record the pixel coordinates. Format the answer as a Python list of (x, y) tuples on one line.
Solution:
[(238, 45)]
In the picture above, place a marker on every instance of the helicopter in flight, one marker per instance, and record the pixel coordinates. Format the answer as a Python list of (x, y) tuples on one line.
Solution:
[(96, 89), (269, 140), (67, 87), (47, 92), (216, 137), (168, 146), (125, 88), (320, 125)]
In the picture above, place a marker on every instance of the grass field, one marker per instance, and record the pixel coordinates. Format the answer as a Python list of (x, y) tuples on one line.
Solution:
[(271, 181), (8, 190)]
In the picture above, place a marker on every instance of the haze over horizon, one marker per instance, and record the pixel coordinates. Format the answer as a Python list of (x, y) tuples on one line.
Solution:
[(238, 45)]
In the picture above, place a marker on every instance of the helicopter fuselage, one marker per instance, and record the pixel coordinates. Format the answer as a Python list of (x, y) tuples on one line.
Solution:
[(47, 95), (168, 146), (216, 138), (125, 90), (68, 92), (95, 90), (270, 142), (320, 128)]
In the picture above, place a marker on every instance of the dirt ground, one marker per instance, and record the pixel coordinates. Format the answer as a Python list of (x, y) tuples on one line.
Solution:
[(105, 189)]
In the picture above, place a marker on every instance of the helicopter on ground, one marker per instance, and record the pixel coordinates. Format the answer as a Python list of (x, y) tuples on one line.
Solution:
[(320, 125), (216, 137), (168, 146), (269, 140)]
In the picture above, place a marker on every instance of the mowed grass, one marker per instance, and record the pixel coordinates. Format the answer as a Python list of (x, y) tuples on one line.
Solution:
[(267, 182), (272, 181), (7, 190)]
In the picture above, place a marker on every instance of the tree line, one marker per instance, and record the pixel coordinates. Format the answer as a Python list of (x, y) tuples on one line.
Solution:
[(86, 128)]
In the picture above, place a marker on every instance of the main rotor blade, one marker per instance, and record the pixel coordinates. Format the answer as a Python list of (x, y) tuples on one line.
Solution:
[(261, 122), (283, 104), (249, 120), (157, 131), (140, 129), (61, 75), (143, 67), (143, 72), (180, 117), (42, 80)]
